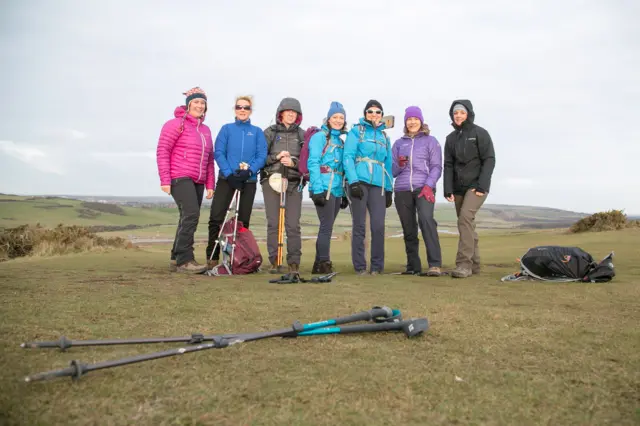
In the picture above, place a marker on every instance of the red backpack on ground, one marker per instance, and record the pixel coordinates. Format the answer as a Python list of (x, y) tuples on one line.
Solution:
[(304, 153), (246, 254)]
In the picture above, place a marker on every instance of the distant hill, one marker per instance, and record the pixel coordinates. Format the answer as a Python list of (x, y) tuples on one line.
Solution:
[(157, 216)]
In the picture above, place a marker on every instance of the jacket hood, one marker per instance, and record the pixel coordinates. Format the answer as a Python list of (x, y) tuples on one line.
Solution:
[(181, 112), (471, 115), (289, 104)]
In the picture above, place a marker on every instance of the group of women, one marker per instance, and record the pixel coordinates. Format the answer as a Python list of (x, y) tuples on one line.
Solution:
[(359, 169)]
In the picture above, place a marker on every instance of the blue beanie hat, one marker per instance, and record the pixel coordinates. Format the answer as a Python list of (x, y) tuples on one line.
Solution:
[(336, 108)]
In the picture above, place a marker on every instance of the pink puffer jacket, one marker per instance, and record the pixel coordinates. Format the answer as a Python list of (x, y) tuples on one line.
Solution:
[(185, 149)]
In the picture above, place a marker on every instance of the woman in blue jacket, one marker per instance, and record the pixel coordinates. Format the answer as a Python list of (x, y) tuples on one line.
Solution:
[(367, 164), (241, 152), (326, 181)]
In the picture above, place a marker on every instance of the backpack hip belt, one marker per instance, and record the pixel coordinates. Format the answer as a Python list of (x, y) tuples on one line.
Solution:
[(371, 162)]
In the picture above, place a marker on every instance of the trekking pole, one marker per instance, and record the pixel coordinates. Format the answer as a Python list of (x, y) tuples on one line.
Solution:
[(283, 195), (377, 314), (235, 194), (77, 368), (411, 328), (235, 229)]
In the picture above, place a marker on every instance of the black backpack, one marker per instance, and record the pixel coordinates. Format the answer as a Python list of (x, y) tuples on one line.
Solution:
[(563, 264)]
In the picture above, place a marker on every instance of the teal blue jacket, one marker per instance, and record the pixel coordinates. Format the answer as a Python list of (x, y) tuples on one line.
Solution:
[(322, 167), (367, 155)]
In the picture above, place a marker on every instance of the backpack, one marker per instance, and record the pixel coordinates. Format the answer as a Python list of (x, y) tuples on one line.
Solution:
[(246, 254), (562, 264), (303, 168)]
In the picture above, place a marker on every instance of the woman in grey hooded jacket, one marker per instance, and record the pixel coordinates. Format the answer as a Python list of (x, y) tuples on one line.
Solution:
[(284, 143)]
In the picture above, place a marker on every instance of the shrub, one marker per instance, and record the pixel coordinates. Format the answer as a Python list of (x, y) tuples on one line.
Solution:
[(28, 240), (604, 221)]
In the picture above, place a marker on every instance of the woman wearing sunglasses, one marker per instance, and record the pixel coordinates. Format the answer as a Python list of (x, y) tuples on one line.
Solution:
[(240, 151), (367, 164)]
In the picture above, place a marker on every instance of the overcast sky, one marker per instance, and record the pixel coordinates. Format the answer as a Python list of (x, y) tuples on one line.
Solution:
[(86, 86)]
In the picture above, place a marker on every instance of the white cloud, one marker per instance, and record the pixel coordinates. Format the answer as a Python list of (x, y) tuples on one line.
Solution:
[(31, 155), (77, 134)]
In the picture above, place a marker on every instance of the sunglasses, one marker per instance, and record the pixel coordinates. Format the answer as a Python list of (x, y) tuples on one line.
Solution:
[(374, 111), (244, 107)]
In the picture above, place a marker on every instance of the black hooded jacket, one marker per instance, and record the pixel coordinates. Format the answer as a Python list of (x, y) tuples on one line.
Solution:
[(279, 138), (469, 158)]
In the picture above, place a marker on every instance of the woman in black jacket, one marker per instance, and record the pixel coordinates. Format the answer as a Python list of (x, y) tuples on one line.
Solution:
[(469, 160)]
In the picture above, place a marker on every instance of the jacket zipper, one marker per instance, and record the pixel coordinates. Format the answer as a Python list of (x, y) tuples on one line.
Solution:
[(411, 165), (202, 140), (375, 143)]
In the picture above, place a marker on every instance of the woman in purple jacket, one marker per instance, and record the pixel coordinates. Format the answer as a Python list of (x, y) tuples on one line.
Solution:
[(417, 166)]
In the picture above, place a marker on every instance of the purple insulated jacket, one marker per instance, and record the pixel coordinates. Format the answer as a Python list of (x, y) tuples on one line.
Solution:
[(425, 162)]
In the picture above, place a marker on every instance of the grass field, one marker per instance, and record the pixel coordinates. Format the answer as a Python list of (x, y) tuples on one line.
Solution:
[(496, 353)]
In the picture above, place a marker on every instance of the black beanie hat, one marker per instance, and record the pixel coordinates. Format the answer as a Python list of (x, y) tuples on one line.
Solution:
[(371, 103)]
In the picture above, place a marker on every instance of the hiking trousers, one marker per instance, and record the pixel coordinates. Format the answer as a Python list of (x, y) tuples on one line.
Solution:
[(327, 216), (292, 211), (467, 207), (408, 205), (188, 197), (222, 198), (374, 201)]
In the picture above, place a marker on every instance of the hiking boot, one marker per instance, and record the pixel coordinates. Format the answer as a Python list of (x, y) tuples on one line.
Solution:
[(212, 263), (434, 271), (316, 267), (173, 265), (363, 272), (475, 270), (294, 268), (277, 269), (376, 273), (192, 267), (461, 272)]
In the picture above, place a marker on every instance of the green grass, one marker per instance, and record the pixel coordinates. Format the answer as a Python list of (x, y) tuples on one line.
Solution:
[(526, 353)]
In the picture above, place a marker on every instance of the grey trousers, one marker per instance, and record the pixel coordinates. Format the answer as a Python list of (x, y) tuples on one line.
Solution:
[(375, 202), (327, 215), (408, 204), (467, 207), (293, 209)]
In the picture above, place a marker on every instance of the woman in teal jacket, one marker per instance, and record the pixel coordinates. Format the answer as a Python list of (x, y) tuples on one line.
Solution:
[(326, 181), (367, 164)]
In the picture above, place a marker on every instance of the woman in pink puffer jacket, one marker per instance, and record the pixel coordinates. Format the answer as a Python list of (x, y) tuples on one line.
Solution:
[(185, 166)]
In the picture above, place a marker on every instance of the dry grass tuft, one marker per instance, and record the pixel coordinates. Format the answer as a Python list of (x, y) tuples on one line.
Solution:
[(611, 220), (28, 240)]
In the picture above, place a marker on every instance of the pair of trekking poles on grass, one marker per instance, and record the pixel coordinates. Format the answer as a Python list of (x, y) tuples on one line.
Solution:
[(382, 318)]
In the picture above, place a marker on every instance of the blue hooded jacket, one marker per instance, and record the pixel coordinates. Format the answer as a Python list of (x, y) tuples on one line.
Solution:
[(321, 166), (367, 155), (239, 142)]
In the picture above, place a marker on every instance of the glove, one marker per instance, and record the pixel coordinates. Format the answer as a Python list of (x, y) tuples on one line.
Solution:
[(427, 193), (242, 175), (388, 197), (344, 203), (403, 160), (235, 182), (356, 190), (319, 199)]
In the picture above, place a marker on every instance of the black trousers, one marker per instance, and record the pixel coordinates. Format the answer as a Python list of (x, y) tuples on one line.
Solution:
[(188, 196), (408, 206), (221, 201)]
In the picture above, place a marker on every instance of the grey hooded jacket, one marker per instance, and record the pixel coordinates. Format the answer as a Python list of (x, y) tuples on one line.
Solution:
[(280, 138)]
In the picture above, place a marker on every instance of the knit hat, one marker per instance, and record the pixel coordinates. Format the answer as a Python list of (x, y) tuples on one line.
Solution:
[(413, 111), (336, 108), (459, 107), (195, 93), (373, 103)]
